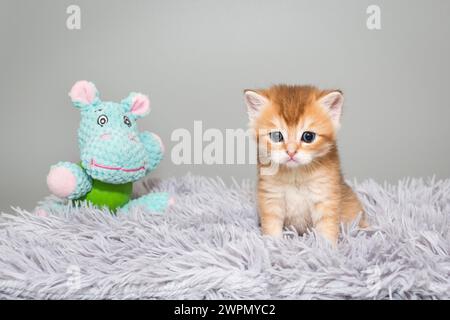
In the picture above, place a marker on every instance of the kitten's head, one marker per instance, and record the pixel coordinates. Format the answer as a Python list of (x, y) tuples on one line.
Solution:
[(294, 125)]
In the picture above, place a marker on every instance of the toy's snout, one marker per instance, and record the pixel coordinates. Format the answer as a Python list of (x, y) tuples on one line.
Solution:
[(108, 136), (118, 142), (133, 137), (105, 137), (115, 156)]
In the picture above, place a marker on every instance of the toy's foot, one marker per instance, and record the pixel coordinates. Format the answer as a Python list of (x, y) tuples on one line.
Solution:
[(157, 202), (68, 181), (61, 181), (41, 213)]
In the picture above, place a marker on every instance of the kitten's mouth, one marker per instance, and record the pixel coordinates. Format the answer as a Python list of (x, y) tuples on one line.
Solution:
[(101, 166), (292, 163)]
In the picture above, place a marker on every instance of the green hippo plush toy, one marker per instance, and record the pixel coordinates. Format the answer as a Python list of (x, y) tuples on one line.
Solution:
[(113, 154)]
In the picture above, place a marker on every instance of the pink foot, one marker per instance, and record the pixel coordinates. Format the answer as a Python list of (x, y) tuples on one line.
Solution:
[(171, 201), (41, 213), (61, 182)]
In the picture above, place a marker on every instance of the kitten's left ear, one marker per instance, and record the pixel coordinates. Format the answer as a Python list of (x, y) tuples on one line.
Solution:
[(137, 104), (333, 102)]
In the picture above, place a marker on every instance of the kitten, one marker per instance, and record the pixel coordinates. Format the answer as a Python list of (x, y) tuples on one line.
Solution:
[(299, 176)]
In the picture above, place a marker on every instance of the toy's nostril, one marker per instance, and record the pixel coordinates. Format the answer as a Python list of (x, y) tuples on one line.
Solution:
[(105, 136), (132, 137)]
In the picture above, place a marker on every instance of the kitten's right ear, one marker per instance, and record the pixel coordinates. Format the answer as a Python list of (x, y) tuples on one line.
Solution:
[(84, 94), (255, 103)]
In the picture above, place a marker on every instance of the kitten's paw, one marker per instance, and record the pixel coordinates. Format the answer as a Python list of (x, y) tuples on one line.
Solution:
[(330, 238), (363, 224), (272, 226), (272, 232), (273, 236)]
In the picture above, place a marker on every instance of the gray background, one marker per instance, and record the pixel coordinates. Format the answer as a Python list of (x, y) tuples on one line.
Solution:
[(195, 57)]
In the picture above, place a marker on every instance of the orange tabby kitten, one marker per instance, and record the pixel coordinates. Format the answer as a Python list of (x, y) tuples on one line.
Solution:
[(300, 181)]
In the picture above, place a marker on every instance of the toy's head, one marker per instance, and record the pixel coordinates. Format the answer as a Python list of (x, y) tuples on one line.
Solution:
[(111, 150)]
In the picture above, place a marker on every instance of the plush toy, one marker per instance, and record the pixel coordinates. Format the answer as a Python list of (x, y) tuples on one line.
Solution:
[(113, 154)]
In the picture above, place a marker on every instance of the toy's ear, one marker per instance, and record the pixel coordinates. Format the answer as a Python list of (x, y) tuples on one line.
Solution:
[(137, 104), (84, 94)]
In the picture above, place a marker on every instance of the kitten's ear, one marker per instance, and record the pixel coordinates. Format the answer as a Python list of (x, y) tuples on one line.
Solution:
[(333, 102), (255, 103)]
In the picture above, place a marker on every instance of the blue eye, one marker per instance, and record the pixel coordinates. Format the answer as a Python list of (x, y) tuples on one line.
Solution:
[(127, 121), (276, 136), (102, 120), (308, 136)]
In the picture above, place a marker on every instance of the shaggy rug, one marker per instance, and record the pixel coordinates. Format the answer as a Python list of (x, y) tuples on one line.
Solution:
[(208, 246)]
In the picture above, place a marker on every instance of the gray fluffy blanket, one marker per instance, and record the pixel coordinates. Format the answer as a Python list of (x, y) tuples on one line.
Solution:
[(209, 246)]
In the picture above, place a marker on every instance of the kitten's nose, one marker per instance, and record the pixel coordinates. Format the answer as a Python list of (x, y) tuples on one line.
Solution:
[(291, 154), (291, 149)]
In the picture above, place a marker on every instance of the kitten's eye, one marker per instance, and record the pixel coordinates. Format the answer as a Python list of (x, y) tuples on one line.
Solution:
[(276, 136), (102, 120), (308, 136), (127, 121)]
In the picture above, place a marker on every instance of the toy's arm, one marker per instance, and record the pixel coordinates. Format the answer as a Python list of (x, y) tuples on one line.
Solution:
[(68, 180), (154, 147)]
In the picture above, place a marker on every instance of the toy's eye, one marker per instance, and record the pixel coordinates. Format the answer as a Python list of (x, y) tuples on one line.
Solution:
[(127, 121), (308, 136), (102, 120), (276, 136)]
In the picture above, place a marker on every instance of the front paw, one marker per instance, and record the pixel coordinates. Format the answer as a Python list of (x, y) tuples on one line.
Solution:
[(272, 225), (61, 182)]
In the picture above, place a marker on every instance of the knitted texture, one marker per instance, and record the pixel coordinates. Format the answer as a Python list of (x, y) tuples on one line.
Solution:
[(106, 141), (84, 182), (153, 202), (153, 149), (112, 149)]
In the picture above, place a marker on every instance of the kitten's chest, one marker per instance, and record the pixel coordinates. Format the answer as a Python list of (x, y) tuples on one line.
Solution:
[(300, 200)]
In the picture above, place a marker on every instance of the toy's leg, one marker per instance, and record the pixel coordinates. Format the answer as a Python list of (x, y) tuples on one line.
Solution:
[(157, 202), (68, 180), (44, 210)]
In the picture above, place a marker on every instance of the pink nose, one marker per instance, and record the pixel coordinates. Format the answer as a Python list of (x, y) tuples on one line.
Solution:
[(105, 136), (291, 154)]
